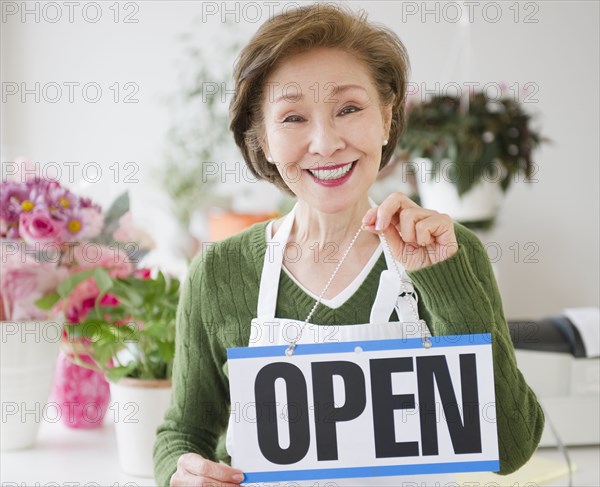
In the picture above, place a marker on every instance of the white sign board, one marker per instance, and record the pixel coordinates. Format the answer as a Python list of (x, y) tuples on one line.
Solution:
[(364, 409)]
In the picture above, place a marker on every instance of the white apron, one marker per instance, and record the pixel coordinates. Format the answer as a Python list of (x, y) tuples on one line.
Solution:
[(267, 330)]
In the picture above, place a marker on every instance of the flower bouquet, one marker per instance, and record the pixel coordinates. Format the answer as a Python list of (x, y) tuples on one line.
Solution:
[(41, 225), (49, 233), (39, 220)]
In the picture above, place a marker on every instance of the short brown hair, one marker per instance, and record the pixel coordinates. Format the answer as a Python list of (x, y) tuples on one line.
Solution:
[(301, 29)]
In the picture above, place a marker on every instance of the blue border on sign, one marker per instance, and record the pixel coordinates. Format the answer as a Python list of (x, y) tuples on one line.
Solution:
[(374, 471), (365, 345)]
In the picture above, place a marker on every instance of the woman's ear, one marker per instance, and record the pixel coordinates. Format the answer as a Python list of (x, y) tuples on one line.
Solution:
[(387, 120), (267, 155), (264, 146)]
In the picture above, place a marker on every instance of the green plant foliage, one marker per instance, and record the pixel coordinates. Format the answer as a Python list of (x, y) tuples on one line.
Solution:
[(492, 135), (199, 137), (142, 323)]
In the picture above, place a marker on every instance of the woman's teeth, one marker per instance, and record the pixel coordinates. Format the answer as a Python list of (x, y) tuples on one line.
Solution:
[(330, 174)]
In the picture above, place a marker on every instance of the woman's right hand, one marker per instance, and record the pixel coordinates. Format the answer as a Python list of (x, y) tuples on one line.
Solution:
[(195, 470)]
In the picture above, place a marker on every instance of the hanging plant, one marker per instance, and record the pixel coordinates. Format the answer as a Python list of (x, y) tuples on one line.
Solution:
[(488, 136)]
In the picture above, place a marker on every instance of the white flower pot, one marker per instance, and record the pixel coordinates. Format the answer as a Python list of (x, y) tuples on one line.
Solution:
[(28, 354), (138, 407), (438, 192)]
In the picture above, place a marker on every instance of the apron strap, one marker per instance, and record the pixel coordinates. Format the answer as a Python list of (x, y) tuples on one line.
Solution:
[(385, 301), (269, 280)]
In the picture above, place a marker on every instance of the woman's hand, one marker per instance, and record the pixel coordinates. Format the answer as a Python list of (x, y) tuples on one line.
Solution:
[(195, 470), (417, 237)]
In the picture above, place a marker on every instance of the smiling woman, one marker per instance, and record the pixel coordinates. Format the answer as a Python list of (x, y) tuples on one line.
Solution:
[(318, 109)]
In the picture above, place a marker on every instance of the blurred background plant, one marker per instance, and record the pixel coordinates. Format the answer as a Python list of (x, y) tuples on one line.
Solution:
[(212, 192)]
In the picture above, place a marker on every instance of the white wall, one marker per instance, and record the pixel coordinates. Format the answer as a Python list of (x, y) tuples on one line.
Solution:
[(558, 214)]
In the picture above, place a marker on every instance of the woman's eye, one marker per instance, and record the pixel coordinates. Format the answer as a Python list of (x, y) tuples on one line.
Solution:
[(349, 109), (292, 118)]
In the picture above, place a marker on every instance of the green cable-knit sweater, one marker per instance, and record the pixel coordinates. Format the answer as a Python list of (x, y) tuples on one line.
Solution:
[(218, 302)]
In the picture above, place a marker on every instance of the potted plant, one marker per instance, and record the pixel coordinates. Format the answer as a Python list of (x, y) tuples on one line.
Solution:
[(466, 151), (213, 193), (129, 335)]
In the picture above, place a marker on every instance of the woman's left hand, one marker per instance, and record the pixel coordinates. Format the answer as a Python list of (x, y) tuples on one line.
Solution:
[(417, 237)]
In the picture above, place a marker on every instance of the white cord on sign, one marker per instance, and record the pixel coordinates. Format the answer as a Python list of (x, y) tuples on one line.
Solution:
[(422, 325)]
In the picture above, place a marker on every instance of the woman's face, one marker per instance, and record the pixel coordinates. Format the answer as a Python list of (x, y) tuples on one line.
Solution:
[(325, 127)]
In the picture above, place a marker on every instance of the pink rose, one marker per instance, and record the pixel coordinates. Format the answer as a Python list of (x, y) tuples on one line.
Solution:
[(37, 226), (91, 256)]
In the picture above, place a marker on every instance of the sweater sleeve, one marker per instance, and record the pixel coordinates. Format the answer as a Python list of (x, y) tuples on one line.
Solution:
[(199, 406), (460, 296)]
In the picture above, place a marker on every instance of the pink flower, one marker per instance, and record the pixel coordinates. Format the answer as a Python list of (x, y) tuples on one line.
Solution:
[(83, 298), (93, 223), (81, 301), (128, 232), (25, 280), (37, 226), (91, 256), (143, 273)]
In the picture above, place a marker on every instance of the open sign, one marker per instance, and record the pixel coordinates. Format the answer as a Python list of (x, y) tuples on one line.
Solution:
[(363, 409)]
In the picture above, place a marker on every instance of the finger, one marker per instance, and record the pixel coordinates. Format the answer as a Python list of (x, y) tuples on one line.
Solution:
[(370, 217), (190, 480), (394, 240), (197, 465), (217, 473), (408, 221), (438, 229), (390, 206), (371, 226)]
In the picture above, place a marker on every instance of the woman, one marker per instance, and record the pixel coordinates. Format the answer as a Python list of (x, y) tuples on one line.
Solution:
[(318, 109)]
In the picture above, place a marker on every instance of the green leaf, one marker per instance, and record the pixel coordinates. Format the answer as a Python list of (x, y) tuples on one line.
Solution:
[(48, 301), (67, 286), (111, 220), (103, 280), (117, 373), (156, 329), (119, 207)]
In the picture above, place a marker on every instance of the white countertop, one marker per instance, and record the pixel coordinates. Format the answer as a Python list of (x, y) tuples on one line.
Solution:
[(68, 457), (74, 458)]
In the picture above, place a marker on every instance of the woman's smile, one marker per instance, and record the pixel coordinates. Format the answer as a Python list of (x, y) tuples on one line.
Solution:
[(332, 175)]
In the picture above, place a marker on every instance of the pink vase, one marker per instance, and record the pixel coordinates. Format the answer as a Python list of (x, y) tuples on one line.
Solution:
[(82, 394)]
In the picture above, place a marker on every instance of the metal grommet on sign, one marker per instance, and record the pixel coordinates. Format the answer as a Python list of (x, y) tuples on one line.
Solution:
[(426, 341)]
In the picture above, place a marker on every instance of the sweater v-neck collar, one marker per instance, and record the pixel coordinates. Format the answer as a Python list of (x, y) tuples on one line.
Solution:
[(339, 299), (352, 293)]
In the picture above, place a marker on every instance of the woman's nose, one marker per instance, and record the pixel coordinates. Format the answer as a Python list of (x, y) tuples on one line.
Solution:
[(325, 139)]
